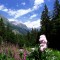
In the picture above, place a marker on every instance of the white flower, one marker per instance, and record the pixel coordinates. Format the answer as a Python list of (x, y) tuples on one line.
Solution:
[(33, 49), (43, 38), (43, 43), (43, 47)]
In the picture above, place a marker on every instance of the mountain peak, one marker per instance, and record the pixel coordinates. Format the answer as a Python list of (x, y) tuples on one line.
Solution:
[(15, 25)]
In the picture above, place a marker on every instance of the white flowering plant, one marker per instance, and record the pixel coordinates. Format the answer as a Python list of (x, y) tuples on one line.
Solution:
[(41, 52), (43, 43)]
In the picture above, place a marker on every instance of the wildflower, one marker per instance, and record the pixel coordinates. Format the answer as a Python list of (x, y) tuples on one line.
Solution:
[(32, 49), (24, 54), (42, 48), (43, 42), (43, 39)]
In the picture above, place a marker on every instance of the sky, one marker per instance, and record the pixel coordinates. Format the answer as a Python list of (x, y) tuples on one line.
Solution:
[(27, 12)]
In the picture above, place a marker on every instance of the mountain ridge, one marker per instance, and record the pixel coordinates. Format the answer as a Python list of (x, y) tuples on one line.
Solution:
[(21, 28)]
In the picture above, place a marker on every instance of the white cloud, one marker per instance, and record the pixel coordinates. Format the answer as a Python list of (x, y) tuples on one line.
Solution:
[(33, 24), (29, 24), (11, 19), (11, 12), (35, 7), (18, 13), (37, 4), (1, 7), (22, 12), (23, 3), (33, 16), (15, 21), (15, 13), (5, 10)]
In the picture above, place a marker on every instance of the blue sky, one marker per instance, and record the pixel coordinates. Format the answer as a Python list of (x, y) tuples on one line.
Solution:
[(27, 12)]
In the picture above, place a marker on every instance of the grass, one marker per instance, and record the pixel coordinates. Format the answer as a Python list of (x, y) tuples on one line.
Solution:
[(48, 54), (5, 57), (12, 53), (51, 54)]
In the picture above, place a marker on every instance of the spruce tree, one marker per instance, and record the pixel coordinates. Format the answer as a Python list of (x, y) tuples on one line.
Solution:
[(56, 25), (56, 10), (45, 22), (2, 28)]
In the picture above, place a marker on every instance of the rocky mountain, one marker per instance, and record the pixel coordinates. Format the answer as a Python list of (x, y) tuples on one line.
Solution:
[(20, 27), (16, 27)]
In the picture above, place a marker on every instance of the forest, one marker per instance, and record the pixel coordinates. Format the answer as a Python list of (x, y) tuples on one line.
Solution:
[(50, 26)]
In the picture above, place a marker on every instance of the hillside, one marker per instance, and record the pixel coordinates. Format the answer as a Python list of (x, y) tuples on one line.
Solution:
[(21, 28)]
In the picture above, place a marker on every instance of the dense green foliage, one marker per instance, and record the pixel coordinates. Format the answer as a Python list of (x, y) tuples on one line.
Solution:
[(48, 54), (9, 36), (50, 25), (5, 57)]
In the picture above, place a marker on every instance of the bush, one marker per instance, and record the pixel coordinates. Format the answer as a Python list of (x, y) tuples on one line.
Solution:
[(48, 54), (5, 57)]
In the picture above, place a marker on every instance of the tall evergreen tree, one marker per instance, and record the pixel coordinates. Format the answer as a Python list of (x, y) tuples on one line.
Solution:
[(2, 28), (56, 25), (34, 34), (56, 10), (45, 22), (56, 17)]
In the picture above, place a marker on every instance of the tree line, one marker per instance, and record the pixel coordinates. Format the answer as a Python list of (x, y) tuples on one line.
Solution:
[(8, 36), (50, 25)]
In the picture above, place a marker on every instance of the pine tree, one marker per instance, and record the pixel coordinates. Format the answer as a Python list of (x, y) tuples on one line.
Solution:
[(56, 17), (56, 25), (56, 10), (45, 22), (2, 28)]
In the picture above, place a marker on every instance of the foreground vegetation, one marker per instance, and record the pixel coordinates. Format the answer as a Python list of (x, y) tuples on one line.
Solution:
[(5, 57), (12, 52), (48, 54)]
